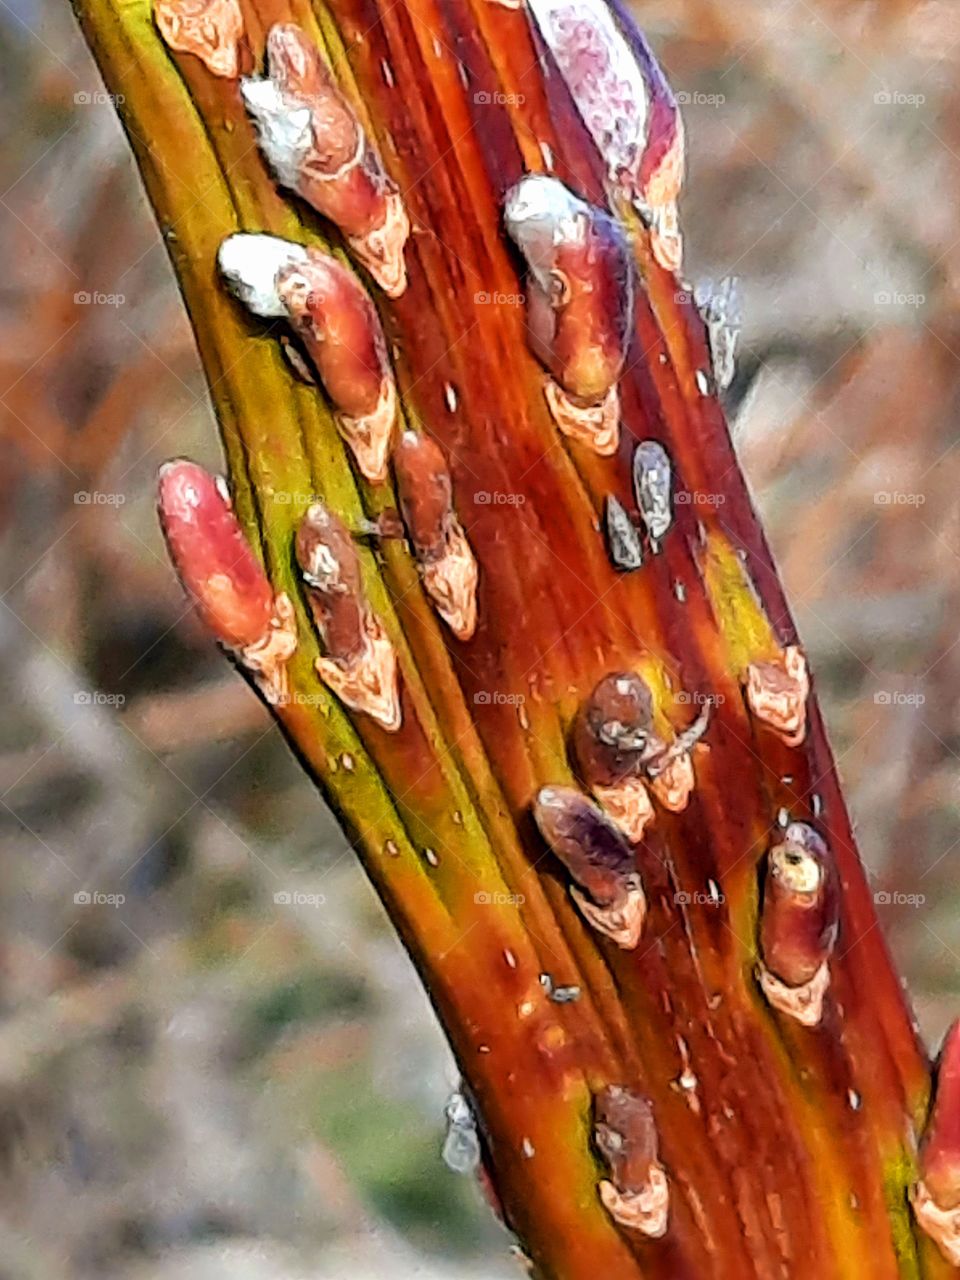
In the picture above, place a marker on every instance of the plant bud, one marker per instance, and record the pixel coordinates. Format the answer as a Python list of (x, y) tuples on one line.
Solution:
[(936, 1196), (209, 29), (595, 853), (653, 488), (250, 265), (219, 571), (447, 564), (316, 146), (637, 1194), (777, 692), (579, 304), (673, 780), (623, 540), (611, 738), (798, 923), (340, 331), (338, 325), (623, 97), (360, 663), (940, 1151)]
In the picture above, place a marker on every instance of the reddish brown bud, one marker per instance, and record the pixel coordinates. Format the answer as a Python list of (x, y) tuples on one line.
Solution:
[(338, 326), (940, 1152), (316, 146), (340, 330), (798, 923), (579, 304), (447, 565), (598, 858), (637, 1194), (777, 692), (360, 664), (219, 570), (209, 29), (936, 1196), (614, 729)]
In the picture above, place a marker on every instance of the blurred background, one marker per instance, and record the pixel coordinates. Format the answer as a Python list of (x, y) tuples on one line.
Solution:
[(198, 1081)]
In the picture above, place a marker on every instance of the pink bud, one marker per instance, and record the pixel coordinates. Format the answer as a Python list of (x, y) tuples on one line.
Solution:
[(340, 330), (360, 663), (212, 556), (447, 564), (579, 304), (777, 692), (940, 1151), (935, 1197), (798, 924), (338, 325), (626, 103), (798, 920), (209, 29), (316, 146), (219, 570), (637, 1194)]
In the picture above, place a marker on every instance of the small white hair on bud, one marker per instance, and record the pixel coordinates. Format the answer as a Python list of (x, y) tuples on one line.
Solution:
[(250, 264), (602, 74), (284, 130), (541, 213)]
